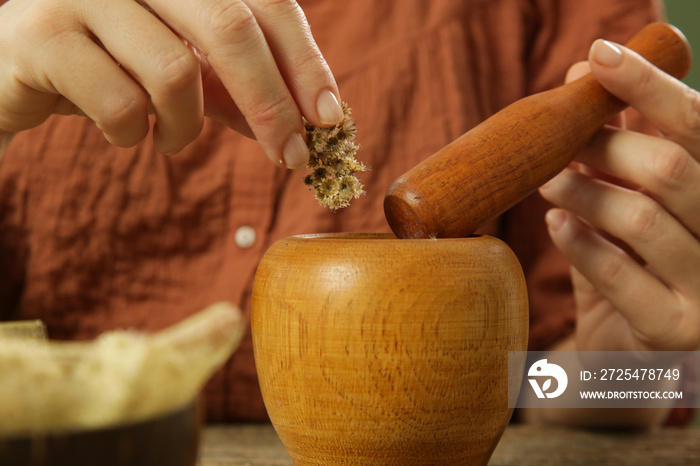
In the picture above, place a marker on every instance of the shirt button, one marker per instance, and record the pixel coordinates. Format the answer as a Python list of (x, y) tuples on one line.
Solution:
[(245, 237)]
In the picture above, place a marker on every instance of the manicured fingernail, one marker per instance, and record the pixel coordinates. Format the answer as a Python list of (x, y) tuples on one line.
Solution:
[(329, 110), (295, 153), (555, 218), (606, 53)]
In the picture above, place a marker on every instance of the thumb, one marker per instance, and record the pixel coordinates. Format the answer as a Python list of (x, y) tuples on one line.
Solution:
[(582, 68), (577, 70)]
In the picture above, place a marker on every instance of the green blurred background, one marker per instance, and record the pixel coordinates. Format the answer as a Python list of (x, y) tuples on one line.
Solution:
[(685, 15)]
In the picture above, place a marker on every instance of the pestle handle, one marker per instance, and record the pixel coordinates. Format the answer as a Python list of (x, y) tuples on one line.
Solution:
[(504, 159)]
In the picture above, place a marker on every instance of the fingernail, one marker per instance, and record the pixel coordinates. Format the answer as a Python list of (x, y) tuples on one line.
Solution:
[(555, 218), (295, 153), (329, 110), (547, 186), (606, 53)]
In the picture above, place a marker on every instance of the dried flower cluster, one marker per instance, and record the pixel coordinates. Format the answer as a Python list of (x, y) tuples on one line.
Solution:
[(333, 164)]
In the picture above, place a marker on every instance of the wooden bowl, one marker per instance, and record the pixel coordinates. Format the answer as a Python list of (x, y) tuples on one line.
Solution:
[(171, 440), (375, 350)]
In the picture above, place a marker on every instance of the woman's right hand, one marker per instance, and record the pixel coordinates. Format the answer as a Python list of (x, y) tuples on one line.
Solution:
[(251, 64)]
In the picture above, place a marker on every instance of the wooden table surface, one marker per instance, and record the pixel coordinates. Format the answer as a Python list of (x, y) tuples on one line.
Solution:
[(258, 445)]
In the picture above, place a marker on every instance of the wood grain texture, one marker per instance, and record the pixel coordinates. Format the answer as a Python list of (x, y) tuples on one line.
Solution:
[(259, 445), (504, 159), (374, 350)]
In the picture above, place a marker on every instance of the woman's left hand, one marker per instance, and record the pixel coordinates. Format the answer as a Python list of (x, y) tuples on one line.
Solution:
[(628, 215)]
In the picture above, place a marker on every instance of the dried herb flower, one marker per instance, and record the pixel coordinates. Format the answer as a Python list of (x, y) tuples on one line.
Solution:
[(333, 164)]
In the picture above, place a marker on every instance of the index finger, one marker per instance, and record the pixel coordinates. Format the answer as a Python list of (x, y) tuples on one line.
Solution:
[(228, 34), (670, 105), (302, 65)]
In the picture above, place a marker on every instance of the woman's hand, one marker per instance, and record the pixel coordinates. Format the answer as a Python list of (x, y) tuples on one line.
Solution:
[(251, 64), (628, 216)]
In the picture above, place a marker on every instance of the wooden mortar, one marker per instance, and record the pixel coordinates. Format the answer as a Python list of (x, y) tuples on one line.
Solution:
[(373, 350), (504, 159)]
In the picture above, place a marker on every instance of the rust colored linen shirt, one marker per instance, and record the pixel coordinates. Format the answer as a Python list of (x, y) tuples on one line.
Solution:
[(94, 237)]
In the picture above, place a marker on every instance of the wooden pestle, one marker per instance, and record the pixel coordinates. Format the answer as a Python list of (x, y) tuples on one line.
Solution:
[(508, 156)]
